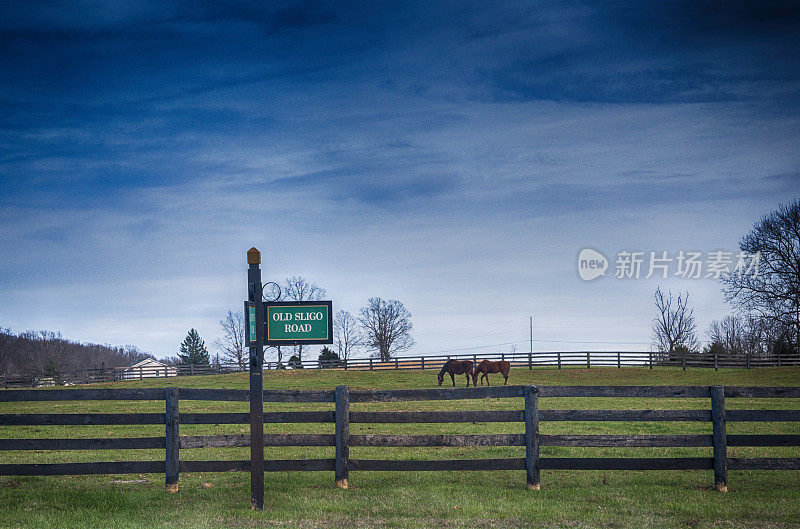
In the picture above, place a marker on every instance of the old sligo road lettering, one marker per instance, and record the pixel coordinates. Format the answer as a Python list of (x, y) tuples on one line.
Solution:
[(305, 322), (300, 316)]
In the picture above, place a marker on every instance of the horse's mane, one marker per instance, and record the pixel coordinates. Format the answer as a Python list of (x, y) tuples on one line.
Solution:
[(444, 367)]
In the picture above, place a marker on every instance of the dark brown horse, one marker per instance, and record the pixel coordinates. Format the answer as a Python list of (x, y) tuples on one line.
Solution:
[(486, 367), (456, 367)]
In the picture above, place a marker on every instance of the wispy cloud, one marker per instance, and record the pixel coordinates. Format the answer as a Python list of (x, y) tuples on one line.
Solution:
[(426, 152)]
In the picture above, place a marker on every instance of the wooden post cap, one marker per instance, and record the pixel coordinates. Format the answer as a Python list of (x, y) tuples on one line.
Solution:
[(253, 256)]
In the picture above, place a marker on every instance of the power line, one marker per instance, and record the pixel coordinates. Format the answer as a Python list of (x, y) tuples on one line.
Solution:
[(471, 327), (570, 327), (614, 315), (477, 336), (556, 327), (525, 339), (593, 326), (594, 341), (470, 348)]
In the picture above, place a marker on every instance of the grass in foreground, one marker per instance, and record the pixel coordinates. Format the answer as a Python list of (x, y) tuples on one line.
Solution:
[(424, 499)]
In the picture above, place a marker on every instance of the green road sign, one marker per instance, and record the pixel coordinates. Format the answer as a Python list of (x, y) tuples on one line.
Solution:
[(251, 319), (298, 322)]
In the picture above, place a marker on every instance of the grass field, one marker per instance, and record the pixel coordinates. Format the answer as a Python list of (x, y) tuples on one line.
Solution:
[(414, 499)]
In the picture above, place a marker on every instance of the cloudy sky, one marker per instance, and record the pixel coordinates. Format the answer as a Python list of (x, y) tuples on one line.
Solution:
[(455, 157)]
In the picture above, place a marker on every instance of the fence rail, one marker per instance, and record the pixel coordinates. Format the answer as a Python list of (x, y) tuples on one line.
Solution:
[(341, 439), (564, 359), (556, 360)]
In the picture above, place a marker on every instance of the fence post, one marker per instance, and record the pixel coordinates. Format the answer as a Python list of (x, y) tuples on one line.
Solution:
[(396, 363), (422, 362), (720, 441), (683, 360), (342, 413), (370, 363), (532, 437), (650, 358), (559, 359), (172, 440), (779, 359), (530, 361), (619, 361), (715, 362), (748, 360), (588, 360)]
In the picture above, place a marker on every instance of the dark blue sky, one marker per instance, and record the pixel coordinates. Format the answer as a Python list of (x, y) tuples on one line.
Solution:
[(456, 157)]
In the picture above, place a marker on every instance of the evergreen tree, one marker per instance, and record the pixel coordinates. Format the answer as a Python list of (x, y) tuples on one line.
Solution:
[(295, 362), (193, 349), (328, 358)]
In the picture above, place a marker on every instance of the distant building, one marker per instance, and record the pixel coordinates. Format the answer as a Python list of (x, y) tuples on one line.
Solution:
[(147, 368)]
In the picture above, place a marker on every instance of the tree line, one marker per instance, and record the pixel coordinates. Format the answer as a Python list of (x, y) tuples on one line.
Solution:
[(48, 353), (766, 317)]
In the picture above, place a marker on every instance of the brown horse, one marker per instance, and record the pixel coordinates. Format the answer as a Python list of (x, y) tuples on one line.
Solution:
[(456, 367), (486, 367)]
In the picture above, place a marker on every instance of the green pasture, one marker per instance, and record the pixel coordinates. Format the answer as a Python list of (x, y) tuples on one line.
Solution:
[(413, 499)]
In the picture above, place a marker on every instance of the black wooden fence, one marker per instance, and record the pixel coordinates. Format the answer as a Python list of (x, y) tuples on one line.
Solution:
[(542, 359), (341, 464), (565, 359)]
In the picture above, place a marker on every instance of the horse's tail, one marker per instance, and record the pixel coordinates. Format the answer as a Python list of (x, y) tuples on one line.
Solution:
[(505, 368)]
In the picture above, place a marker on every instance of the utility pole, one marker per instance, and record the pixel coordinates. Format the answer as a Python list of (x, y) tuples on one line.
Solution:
[(530, 354)]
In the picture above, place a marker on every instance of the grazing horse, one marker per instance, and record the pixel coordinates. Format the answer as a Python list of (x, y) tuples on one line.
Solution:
[(456, 367), (486, 367)]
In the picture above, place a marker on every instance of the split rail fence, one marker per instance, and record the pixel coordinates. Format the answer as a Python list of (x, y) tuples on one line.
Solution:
[(342, 440)]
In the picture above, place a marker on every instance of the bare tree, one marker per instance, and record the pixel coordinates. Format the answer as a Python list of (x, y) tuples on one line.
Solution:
[(347, 334), (299, 289), (728, 334), (387, 327), (773, 289), (232, 344), (51, 349), (741, 335), (8, 349), (674, 324), (47, 353), (130, 354)]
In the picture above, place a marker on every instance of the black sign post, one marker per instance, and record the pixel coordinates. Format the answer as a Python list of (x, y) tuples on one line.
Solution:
[(255, 307), (308, 322)]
